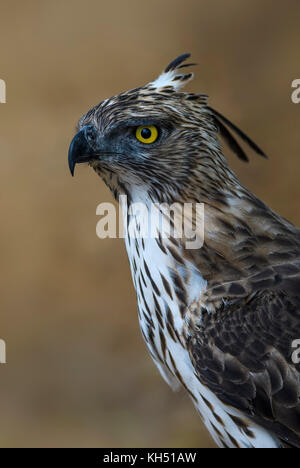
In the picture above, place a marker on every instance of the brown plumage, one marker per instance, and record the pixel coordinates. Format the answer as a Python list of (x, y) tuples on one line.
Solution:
[(219, 320)]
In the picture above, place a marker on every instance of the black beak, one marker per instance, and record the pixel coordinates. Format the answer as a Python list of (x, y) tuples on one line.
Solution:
[(82, 147)]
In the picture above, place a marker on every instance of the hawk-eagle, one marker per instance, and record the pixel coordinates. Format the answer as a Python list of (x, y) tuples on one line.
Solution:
[(220, 320)]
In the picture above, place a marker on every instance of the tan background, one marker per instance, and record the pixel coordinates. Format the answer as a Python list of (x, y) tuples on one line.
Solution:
[(78, 373)]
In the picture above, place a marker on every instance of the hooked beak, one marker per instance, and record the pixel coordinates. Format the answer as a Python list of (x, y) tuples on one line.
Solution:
[(82, 148)]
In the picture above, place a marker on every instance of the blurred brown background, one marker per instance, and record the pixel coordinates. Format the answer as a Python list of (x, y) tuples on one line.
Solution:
[(78, 373)]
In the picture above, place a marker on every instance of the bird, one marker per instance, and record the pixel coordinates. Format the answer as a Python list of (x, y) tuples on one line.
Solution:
[(219, 320)]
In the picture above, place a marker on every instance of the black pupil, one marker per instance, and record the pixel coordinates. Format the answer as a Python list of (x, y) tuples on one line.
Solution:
[(146, 133)]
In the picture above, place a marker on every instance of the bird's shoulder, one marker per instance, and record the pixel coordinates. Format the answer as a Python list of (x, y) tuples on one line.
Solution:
[(243, 350)]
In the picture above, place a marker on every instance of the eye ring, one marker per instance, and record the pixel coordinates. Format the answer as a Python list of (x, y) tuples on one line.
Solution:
[(146, 134)]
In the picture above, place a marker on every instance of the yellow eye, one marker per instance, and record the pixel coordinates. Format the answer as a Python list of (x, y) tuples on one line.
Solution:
[(147, 134)]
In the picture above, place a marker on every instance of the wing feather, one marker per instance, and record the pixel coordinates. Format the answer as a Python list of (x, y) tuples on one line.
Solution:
[(243, 353)]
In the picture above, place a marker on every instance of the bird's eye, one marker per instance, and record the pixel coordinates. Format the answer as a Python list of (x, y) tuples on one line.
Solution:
[(147, 134)]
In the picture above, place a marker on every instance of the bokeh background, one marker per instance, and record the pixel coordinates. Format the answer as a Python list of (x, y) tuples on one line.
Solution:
[(78, 373)]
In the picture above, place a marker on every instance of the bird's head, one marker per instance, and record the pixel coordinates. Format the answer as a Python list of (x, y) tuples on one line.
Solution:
[(156, 137)]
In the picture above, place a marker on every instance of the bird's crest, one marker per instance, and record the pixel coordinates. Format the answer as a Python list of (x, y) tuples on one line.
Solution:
[(170, 78)]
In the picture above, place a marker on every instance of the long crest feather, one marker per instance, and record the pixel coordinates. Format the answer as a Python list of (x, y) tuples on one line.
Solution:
[(170, 78), (174, 65), (231, 141), (221, 123)]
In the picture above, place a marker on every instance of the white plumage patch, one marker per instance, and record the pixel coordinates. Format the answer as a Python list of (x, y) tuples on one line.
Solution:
[(172, 79)]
